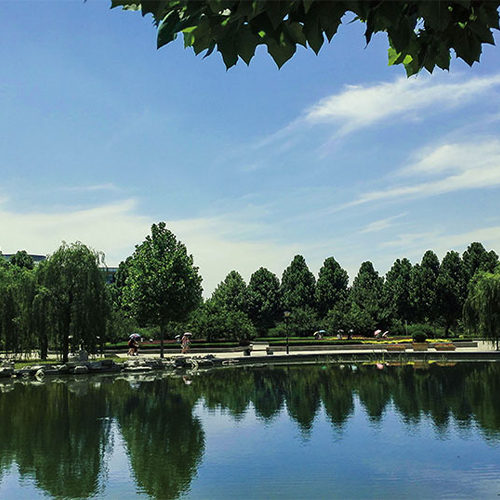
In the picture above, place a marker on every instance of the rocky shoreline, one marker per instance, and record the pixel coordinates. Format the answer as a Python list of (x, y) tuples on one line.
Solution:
[(7, 369)]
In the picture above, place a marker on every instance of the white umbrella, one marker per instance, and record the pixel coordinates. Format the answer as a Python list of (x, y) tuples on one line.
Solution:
[(188, 334), (134, 335)]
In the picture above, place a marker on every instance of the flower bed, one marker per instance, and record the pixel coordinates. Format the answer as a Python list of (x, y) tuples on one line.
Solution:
[(444, 347), (396, 347)]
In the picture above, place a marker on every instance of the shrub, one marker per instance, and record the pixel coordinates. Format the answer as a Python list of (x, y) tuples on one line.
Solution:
[(419, 336), (421, 327), (215, 323), (303, 322), (397, 328)]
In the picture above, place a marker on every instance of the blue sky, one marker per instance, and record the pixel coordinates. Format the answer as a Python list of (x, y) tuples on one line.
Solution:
[(102, 135)]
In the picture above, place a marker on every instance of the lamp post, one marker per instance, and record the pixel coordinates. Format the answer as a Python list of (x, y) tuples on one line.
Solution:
[(287, 315)]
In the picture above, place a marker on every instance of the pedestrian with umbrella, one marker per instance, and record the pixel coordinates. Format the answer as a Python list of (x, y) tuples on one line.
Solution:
[(319, 334), (185, 341), (133, 344)]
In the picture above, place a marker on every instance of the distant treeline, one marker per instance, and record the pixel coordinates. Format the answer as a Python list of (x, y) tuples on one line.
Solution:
[(428, 296), (64, 303)]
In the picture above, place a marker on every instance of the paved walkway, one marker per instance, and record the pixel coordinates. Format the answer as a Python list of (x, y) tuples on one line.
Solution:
[(481, 347)]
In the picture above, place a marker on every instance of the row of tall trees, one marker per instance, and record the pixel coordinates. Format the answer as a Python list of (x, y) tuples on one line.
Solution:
[(430, 292), (64, 303)]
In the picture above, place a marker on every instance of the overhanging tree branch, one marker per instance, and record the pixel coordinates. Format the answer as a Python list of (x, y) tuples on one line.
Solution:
[(421, 33)]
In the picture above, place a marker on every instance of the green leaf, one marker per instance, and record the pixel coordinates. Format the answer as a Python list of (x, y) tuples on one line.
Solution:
[(198, 37), (436, 14), (463, 3), (394, 56), (227, 48), (211, 48), (276, 12), (314, 35), (281, 52), (483, 32), (166, 31), (308, 4), (443, 57), (295, 32), (246, 43), (125, 4)]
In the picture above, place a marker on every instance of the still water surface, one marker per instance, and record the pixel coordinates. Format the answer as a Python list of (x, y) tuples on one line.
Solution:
[(295, 432)]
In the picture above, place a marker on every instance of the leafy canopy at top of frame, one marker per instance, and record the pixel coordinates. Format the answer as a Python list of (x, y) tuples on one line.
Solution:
[(421, 33)]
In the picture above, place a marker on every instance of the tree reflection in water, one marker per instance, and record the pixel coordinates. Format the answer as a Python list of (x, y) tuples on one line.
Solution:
[(58, 432), (165, 442)]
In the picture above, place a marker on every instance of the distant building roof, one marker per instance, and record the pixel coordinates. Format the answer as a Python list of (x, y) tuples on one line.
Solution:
[(36, 258)]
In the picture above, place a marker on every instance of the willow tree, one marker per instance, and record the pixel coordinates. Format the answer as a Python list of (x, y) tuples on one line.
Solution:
[(163, 283), (482, 307), (22, 259), (17, 288), (75, 296)]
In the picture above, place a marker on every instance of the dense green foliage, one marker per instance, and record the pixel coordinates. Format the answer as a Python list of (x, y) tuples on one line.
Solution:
[(421, 34), (396, 291), (264, 300), (423, 288), (451, 289), (331, 288), (73, 292), (482, 308), (297, 285), (162, 284), (63, 303), (366, 292), (22, 259)]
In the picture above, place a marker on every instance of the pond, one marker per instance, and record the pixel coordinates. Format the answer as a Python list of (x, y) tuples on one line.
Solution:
[(298, 431)]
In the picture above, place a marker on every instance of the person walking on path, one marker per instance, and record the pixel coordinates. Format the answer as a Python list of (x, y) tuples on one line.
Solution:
[(185, 341), (133, 344)]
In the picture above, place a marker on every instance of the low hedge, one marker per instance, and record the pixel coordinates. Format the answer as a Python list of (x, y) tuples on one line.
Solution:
[(172, 345), (282, 341)]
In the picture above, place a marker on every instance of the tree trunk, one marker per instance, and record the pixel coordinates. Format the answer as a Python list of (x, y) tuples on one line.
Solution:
[(66, 329), (162, 338), (65, 347), (44, 348), (447, 330)]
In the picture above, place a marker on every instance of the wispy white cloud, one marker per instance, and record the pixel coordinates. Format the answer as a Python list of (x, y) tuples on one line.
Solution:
[(460, 166), (90, 188), (381, 224), (219, 244), (113, 228), (416, 243), (360, 106)]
